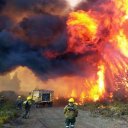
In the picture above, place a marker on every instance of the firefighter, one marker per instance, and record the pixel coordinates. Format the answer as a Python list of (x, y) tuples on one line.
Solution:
[(19, 103), (27, 106), (70, 112)]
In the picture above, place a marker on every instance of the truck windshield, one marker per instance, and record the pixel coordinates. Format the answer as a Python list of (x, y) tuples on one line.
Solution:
[(46, 97)]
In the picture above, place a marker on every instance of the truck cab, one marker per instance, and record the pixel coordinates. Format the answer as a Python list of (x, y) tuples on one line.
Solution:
[(43, 97)]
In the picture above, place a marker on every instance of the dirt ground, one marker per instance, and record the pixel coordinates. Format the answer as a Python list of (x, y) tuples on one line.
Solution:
[(53, 118)]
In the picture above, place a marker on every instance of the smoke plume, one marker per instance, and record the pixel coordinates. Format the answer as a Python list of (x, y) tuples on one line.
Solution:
[(33, 34)]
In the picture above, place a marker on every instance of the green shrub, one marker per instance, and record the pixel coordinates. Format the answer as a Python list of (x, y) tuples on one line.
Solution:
[(7, 112)]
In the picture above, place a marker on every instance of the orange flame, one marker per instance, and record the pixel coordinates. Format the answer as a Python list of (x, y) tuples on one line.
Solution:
[(82, 28), (85, 29), (122, 41), (93, 90), (98, 90), (82, 19)]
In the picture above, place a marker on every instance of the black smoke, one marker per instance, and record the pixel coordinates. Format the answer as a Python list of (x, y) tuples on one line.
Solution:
[(37, 6), (2, 4), (14, 52), (26, 43), (43, 29)]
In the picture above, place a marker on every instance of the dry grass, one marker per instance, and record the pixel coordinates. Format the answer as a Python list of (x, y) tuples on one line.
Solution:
[(115, 109)]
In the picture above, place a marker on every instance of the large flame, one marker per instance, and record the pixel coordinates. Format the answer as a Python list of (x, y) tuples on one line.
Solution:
[(82, 20), (106, 33), (95, 89)]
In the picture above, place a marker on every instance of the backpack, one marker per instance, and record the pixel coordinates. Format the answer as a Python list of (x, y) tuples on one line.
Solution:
[(70, 111)]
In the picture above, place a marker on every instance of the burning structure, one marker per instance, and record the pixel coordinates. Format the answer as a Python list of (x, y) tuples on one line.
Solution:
[(82, 50)]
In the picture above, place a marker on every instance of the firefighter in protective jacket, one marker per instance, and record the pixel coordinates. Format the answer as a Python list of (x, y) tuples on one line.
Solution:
[(27, 106), (70, 112), (19, 103)]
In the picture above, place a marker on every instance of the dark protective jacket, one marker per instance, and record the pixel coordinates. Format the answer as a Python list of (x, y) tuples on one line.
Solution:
[(70, 111), (27, 105)]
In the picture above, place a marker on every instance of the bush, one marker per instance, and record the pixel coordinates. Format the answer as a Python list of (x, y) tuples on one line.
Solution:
[(7, 112)]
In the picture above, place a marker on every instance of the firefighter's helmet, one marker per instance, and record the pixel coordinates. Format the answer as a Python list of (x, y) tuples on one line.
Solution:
[(19, 96), (71, 100), (29, 98)]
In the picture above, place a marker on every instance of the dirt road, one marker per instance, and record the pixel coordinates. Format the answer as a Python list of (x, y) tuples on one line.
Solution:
[(53, 118)]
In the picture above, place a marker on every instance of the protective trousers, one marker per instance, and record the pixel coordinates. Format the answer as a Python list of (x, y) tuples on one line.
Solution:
[(26, 114), (70, 123)]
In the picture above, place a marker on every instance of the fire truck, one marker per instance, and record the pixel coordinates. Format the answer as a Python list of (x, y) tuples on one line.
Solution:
[(43, 97)]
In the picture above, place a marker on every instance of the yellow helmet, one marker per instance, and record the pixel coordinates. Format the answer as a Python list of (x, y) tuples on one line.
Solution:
[(71, 100), (29, 98), (19, 96)]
